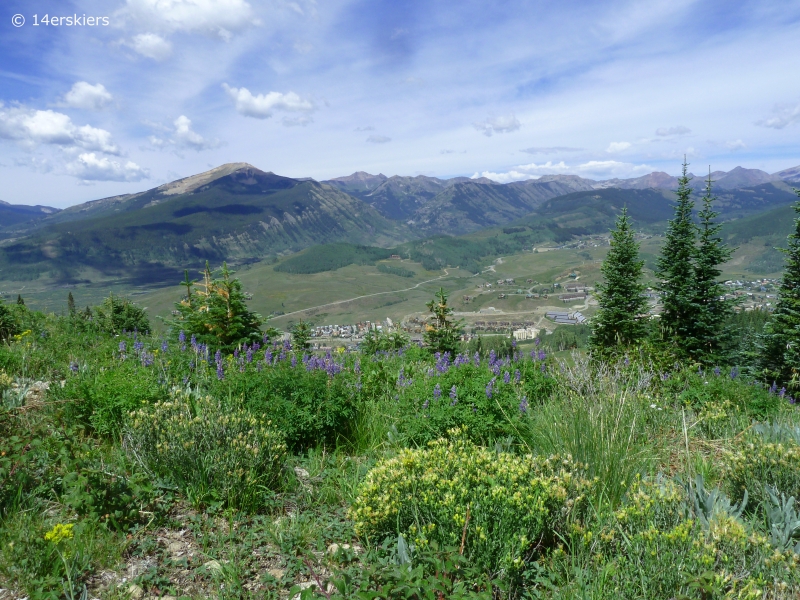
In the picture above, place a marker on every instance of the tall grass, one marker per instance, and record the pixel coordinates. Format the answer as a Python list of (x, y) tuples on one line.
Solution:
[(598, 415)]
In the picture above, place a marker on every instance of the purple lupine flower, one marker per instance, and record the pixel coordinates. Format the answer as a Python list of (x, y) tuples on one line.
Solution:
[(782, 392), (220, 371), (193, 342), (259, 366), (537, 341), (774, 388), (250, 355), (477, 359), (544, 367), (523, 405), (496, 369), (287, 345), (453, 395), (506, 377), (517, 375), (664, 376), (734, 372), (431, 372), (492, 357), (236, 353), (164, 346), (425, 404), (437, 392), (147, 359), (73, 366), (256, 346), (627, 361), (294, 360), (533, 354), (792, 400), (717, 371), (513, 343), (268, 356), (122, 347), (489, 387), (138, 347), (186, 380), (218, 357), (282, 356), (182, 337), (542, 355)]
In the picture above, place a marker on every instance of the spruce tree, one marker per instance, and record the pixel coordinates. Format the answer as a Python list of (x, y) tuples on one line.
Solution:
[(71, 305), (705, 338), (442, 333), (621, 320), (301, 334), (781, 357), (675, 268), (20, 301), (217, 315)]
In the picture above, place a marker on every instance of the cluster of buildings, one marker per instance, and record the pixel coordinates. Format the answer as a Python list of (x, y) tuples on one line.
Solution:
[(353, 332), (500, 326), (566, 318)]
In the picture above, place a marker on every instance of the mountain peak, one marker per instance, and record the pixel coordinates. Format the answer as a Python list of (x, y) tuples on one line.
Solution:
[(191, 183)]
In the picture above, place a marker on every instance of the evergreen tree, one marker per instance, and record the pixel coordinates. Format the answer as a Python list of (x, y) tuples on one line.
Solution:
[(117, 314), (675, 268), (20, 301), (442, 333), (217, 315), (781, 358), (622, 317), (8, 323), (71, 305), (705, 338), (301, 334)]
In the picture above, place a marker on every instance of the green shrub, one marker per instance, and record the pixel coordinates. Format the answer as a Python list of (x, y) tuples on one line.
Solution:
[(213, 452), (764, 460), (516, 504), (117, 314), (102, 398)]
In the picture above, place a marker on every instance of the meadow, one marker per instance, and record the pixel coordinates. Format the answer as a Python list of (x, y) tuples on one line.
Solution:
[(144, 466)]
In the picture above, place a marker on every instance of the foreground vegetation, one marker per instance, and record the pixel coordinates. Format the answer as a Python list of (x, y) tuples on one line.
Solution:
[(137, 466)]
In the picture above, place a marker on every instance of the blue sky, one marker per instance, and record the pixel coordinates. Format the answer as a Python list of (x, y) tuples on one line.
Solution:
[(506, 89)]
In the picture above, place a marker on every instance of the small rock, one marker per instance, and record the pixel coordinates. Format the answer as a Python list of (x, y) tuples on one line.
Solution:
[(213, 565), (301, 473), (277, 573), (333, 548), (135, 592), (175, 548)]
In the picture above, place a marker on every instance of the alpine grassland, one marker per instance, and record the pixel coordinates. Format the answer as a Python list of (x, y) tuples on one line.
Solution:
[(216, 457)]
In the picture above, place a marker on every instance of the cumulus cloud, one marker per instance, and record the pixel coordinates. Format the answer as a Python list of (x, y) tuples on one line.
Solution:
[(734, 145), (367, 128), (550, 149), (612, 168), (221, 18), (183, 136), (677, 130), (378, 139), (544, 169), (783, 115), (504, 177), (618, 147), (262, 106), (493, 125), (33, 127), (150, 45), (87, 96), (90, 167)]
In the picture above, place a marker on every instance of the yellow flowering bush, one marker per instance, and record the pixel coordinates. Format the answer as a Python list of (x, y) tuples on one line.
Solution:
[(515, 503), (5, 381), (761, 462), (216, 454), (59, 533)]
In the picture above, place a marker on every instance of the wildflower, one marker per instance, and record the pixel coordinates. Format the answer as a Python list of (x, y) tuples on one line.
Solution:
[(122, 347), (220, 371), (523, 405), (517, 375), (627, 361), (506, 377), (544, 367), (357, 367), (294, 360), (734, 372), (477, 359), (542, 355), (782, 393), (182, 337), (774, 388), (425, 404), (59, 533), (453, 396), (717, 371), (268, 356), (437, 392), (164, 346), (73, 366), (664, 376), (537, 341)]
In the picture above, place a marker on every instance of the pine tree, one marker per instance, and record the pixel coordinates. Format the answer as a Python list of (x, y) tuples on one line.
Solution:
[(705, 339), (217, 315), (301, 334), (622, 317), (781, 357), (71, 305), (442, 333), (117, 314), (20, 301), (675, 268)]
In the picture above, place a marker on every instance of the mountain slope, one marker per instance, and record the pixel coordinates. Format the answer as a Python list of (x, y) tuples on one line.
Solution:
[(236, 213), (16, 214)]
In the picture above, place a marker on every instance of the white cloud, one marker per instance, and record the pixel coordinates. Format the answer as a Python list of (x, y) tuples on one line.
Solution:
[(782, 116), (150, 45), (217, 17), (367, 128), (89, 167), (614, 147), (677, 130), (262, 106), (498, 125), (734, 145), (88, 96), (183, 136), (612, 168), (544, 169), (378, 139), (504, 177), (33, 127)]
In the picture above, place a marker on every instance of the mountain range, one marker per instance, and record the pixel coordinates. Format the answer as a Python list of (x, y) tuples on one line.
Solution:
[(237, 212)]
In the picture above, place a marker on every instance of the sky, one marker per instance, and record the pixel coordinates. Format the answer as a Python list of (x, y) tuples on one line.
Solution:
[(125, 95)]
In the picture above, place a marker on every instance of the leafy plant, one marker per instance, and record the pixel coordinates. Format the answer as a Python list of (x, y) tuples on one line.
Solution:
[(783, 520), (117, 314)]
